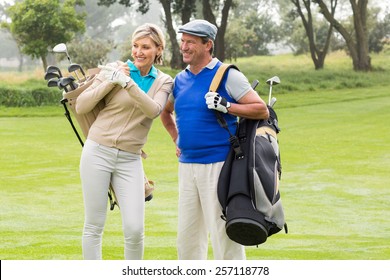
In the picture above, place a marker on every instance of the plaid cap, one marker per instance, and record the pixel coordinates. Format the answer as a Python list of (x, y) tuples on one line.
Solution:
[(200, 28)]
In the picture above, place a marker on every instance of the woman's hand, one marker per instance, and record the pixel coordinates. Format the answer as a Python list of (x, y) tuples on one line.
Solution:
[(118, 75)]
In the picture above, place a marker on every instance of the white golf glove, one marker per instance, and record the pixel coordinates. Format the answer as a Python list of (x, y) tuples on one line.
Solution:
[(216, 102), (115, 76)]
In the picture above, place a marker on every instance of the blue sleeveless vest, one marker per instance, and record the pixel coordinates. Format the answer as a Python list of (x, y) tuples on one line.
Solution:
[(201, 138)]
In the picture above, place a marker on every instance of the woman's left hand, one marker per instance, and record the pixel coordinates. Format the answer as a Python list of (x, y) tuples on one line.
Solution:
[(116, 75), (124, 68)]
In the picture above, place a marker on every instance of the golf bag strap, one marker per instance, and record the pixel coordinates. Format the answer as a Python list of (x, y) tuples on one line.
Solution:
[(215, 84), (222, 70)]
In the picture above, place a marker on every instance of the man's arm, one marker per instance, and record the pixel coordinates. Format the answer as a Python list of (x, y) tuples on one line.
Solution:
[(169, 123), (248, 103), (168, 120), (250, 106)]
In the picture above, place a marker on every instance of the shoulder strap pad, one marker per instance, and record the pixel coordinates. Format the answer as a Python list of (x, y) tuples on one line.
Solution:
[(222, 70), (215, 83)]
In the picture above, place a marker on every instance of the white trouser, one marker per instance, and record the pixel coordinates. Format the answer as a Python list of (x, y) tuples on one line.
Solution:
[(200, 214), (100, 165)]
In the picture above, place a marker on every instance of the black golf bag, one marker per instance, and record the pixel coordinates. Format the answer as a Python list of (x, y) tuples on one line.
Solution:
[(248, 186)]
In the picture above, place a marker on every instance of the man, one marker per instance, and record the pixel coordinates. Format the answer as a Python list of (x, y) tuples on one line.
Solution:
[(202, 145)]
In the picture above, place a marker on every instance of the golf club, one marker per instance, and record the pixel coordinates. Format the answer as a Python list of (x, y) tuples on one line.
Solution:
[(75, 68), (51, 75), (64, 82), (61, 48), (61, 87), (273, 101), (255, 83), (272, 81), (53, 69), (53, 82)]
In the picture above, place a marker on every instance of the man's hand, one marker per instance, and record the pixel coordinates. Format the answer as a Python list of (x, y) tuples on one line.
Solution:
[(115, 75), (216, 102)]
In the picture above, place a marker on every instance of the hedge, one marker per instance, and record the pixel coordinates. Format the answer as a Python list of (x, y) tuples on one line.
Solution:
[(17, 96)]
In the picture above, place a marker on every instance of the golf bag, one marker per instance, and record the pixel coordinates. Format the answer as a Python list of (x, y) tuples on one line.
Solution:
[(248, 185), (86, 120)]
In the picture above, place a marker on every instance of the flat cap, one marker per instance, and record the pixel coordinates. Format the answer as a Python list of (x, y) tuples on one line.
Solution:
[(200, 28)]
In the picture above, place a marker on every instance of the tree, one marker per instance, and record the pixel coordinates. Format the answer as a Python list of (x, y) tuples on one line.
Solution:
[(186, 9), (89, 52), (357, 42), (99, 19), (380, 32), (8, 47), (237, 38), (318, 53), (250, 34), (39, 24), (143, 7), (176, 61), (208, 7)]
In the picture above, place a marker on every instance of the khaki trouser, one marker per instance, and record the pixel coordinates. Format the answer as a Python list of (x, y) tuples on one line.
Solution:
[(200, 215)]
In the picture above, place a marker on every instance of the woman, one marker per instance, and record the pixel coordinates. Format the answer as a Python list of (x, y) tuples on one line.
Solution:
[(134, 94)]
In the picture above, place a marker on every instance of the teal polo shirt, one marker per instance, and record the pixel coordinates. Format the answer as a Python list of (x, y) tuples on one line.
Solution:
[(144, 82)]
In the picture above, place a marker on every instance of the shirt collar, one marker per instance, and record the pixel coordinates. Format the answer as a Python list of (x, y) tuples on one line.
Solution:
[(210, 65), (153, 71)]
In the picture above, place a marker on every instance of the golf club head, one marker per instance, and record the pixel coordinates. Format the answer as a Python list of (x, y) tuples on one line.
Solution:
[(51, 75), (61, 48), (63, 83), (75, 68), (53, 69), (60, 85), (273, 81), (273, 101), (53, 82)]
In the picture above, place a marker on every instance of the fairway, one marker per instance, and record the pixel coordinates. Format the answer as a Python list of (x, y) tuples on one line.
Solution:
[(335, 149)]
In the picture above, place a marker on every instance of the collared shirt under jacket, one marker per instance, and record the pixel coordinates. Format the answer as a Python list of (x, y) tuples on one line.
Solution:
[(127, 116)]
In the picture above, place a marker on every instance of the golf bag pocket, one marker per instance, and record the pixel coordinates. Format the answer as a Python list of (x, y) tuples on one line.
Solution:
[(266, 172)]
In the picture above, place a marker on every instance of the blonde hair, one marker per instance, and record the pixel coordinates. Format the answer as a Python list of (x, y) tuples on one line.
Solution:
[(153, 32)]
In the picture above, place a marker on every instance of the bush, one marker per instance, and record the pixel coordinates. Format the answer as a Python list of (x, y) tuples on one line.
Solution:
[(17, 96)]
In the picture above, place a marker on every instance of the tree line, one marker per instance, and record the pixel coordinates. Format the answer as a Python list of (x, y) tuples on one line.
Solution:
[(245, 27)]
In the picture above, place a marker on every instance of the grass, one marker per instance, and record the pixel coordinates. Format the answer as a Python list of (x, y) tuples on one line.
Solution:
[(297, 75), (335, 149)]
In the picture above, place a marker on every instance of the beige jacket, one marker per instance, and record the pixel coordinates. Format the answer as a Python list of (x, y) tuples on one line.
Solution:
[(127, 116)]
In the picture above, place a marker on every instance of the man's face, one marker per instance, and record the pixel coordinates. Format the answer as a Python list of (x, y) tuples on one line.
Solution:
[(193, 49)]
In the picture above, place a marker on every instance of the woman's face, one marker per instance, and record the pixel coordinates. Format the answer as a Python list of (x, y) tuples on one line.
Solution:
[(144, 51)]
